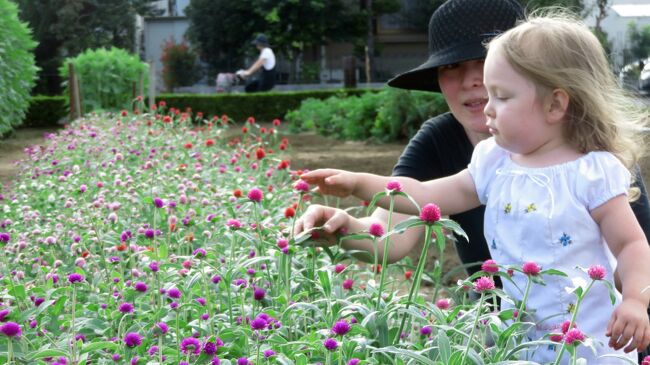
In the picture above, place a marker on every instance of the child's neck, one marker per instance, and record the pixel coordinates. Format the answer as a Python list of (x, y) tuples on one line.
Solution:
[(547, 155)]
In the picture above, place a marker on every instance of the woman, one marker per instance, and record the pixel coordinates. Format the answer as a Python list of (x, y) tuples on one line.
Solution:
[(266, 62)]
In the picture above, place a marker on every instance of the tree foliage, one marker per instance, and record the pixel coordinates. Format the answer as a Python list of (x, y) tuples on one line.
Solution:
[(65, 28), (17, 70), (639, 42), (180, 66)]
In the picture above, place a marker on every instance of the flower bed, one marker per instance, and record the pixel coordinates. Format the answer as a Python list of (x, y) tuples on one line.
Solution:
[(148, 239)]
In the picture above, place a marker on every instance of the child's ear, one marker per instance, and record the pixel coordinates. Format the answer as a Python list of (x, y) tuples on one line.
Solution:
[(558, 103)]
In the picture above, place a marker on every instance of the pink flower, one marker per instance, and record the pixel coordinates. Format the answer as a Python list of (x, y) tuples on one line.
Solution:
[(565, 326), (490, 266), (255, 195), (339, 268), (376, 230), (394, 186), (442, 304), (301, 186), (573, 335), (483, 283), (531, 268), (556, 337), (430, 213), (596, 272), (347, 284), (646, 360)]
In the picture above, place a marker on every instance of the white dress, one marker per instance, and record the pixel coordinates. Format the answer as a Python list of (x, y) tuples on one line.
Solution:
[(543, 215)]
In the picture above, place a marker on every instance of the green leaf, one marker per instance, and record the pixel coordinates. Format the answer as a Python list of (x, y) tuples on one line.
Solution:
[(375, 199), (408, 223), (553, 272), (444, 346), (611, 290), (407, 354), (101, 345), (47, 353), (453, 226), (324, 277)]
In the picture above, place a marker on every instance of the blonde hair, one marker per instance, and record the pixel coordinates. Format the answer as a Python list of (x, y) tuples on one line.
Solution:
[(555, 50)]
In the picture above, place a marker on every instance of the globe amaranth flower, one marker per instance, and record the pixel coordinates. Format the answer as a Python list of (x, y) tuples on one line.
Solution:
[(141, 287), (243, 361), (443, 304), (132, 339), (209, 348), (200, 253), (483, 283), (268, 353), (430, 213), (3, 314), (301, 186), (394, 186), (233, 224), (259, 293), (161, 328), (152, 350), (191, 345), (596, 272), (126, 307), (174, 293), (75, 278), (258, 323), (339, 268), (490, 266), (216, 279), (573, 335), (426, 331), (347, 284), (376, 230), (4, 237), (354, 361), (215, 361), (565, 326), (646, 360), (159, 203), (341, 327), (330, 344), (201, 301), (255, 195), (531, 268), (11, 329)]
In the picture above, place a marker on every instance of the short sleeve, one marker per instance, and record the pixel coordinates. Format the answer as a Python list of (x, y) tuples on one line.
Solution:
[(486, 159), (601, 177)]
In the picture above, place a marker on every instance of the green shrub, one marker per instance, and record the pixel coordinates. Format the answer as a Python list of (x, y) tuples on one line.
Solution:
[(45, 111), (180, 65), (106, 78), (388, 115), (264, 106), (17, 67)]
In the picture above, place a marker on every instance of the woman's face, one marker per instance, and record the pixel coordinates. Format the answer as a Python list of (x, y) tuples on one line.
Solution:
[(462, 86)]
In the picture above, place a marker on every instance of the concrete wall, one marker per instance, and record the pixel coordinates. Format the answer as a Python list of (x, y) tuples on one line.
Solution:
[(156, 31)]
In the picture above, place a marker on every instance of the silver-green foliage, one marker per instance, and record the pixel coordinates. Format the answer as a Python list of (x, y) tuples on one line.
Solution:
[(17, 67), (106, 78)]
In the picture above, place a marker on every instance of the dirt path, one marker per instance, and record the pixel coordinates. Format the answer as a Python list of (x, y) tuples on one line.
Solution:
[(11, 150)]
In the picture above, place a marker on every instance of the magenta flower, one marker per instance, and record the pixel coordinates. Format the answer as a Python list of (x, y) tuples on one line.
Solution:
[(430, 213), (596, 272), (200, 253), (426, 331), (243, 361), (75, 278), (3, 314), (483, 283), (341, 328), (565, 326), (268, 353), (490, 266), (141, 287), (191, 345), (531, 268), (4, 237), (132, 339), (354, 361), (394, 186), (161, 328), (174, 293), (339, 268), (442, 304), (233, 224), (159, 203), (200, 301), (258, 293), (11, 329), (255, 195), (258, 323), (209, 348), (574, 335), (646, 360), (126, 308), (301, 186), (376, 230), (347, 284), (330, 344)]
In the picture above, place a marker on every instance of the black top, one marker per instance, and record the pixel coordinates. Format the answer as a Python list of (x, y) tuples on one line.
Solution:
[(441, 148)]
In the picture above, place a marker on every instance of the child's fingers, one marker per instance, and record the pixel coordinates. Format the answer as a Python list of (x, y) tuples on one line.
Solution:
[(317, 175), (636, 337), (645, 342), (617, 331), (335, 223)]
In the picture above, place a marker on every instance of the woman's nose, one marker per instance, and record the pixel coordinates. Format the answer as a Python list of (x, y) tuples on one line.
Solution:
[(473, 77)]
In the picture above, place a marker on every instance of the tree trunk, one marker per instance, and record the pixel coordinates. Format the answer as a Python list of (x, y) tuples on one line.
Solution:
[(602, 13), (370, 43)]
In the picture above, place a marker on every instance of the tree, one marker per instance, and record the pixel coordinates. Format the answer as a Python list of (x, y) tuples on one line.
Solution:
[(65, 28), (639, 42), (180, 66), (576, 6)]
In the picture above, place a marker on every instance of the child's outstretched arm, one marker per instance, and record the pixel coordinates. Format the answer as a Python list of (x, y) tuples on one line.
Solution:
[(453, 194), (629, 324)]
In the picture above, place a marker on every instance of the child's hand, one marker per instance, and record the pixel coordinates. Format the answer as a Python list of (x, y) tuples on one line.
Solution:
[(332, 220), (332, 182), (629, 322)]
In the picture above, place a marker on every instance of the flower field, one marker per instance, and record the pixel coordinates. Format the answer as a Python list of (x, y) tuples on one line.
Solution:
[(165, 238)]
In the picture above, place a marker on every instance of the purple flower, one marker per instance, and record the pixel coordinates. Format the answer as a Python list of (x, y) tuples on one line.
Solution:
[(191, 345), (426, 330), (11, 329), (243, 361), (210, 348), (330, 344), (483, 283), (152, 350), (215, 361), (3, 314), (269, 353), (132, 339), (258, 323), (75, 278), (301, 186), (258, 293), (216, 279), (149, 233), (159, 203), (4, 237), (200, 253), (126, 307), (174, 293), (141, 287), (376, 230), (161, 328), (354, 361), (233, 224), (116, 357), (341, 328), (154, 266)]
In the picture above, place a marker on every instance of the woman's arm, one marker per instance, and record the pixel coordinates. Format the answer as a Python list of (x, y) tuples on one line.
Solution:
[(627, 242)]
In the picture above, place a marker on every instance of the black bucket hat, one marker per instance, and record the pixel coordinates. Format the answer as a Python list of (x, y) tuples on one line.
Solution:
[(458, 30), (261, 40)]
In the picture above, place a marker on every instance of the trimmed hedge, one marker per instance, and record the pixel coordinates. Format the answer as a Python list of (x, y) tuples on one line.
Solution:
[(263, 106), (46, 111)]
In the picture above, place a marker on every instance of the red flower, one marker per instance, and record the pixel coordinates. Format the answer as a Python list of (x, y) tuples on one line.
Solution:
[(408, 274), (283, 164), (85, 254), (162, 104), (259, 153), (188, 145), (377, 269), (289, 212), (209, 142), (121, 247), (237, 193), (124, 113), (282, 147), (276, 122), (262, 130), (251, 120), (167, 119), (244, 130)]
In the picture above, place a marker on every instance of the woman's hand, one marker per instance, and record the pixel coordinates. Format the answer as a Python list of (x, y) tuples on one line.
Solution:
[(334, 182), (331, 219)]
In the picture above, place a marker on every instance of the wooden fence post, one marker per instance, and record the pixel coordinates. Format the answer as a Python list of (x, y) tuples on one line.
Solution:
[(73, 86), (152, 84)]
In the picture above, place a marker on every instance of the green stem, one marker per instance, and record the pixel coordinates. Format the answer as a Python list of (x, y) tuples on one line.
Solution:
[(471, 334), (160, 348), (522, 305), (417, 278), (72, 325), (573, 318), (384, 260), (10, 350)]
